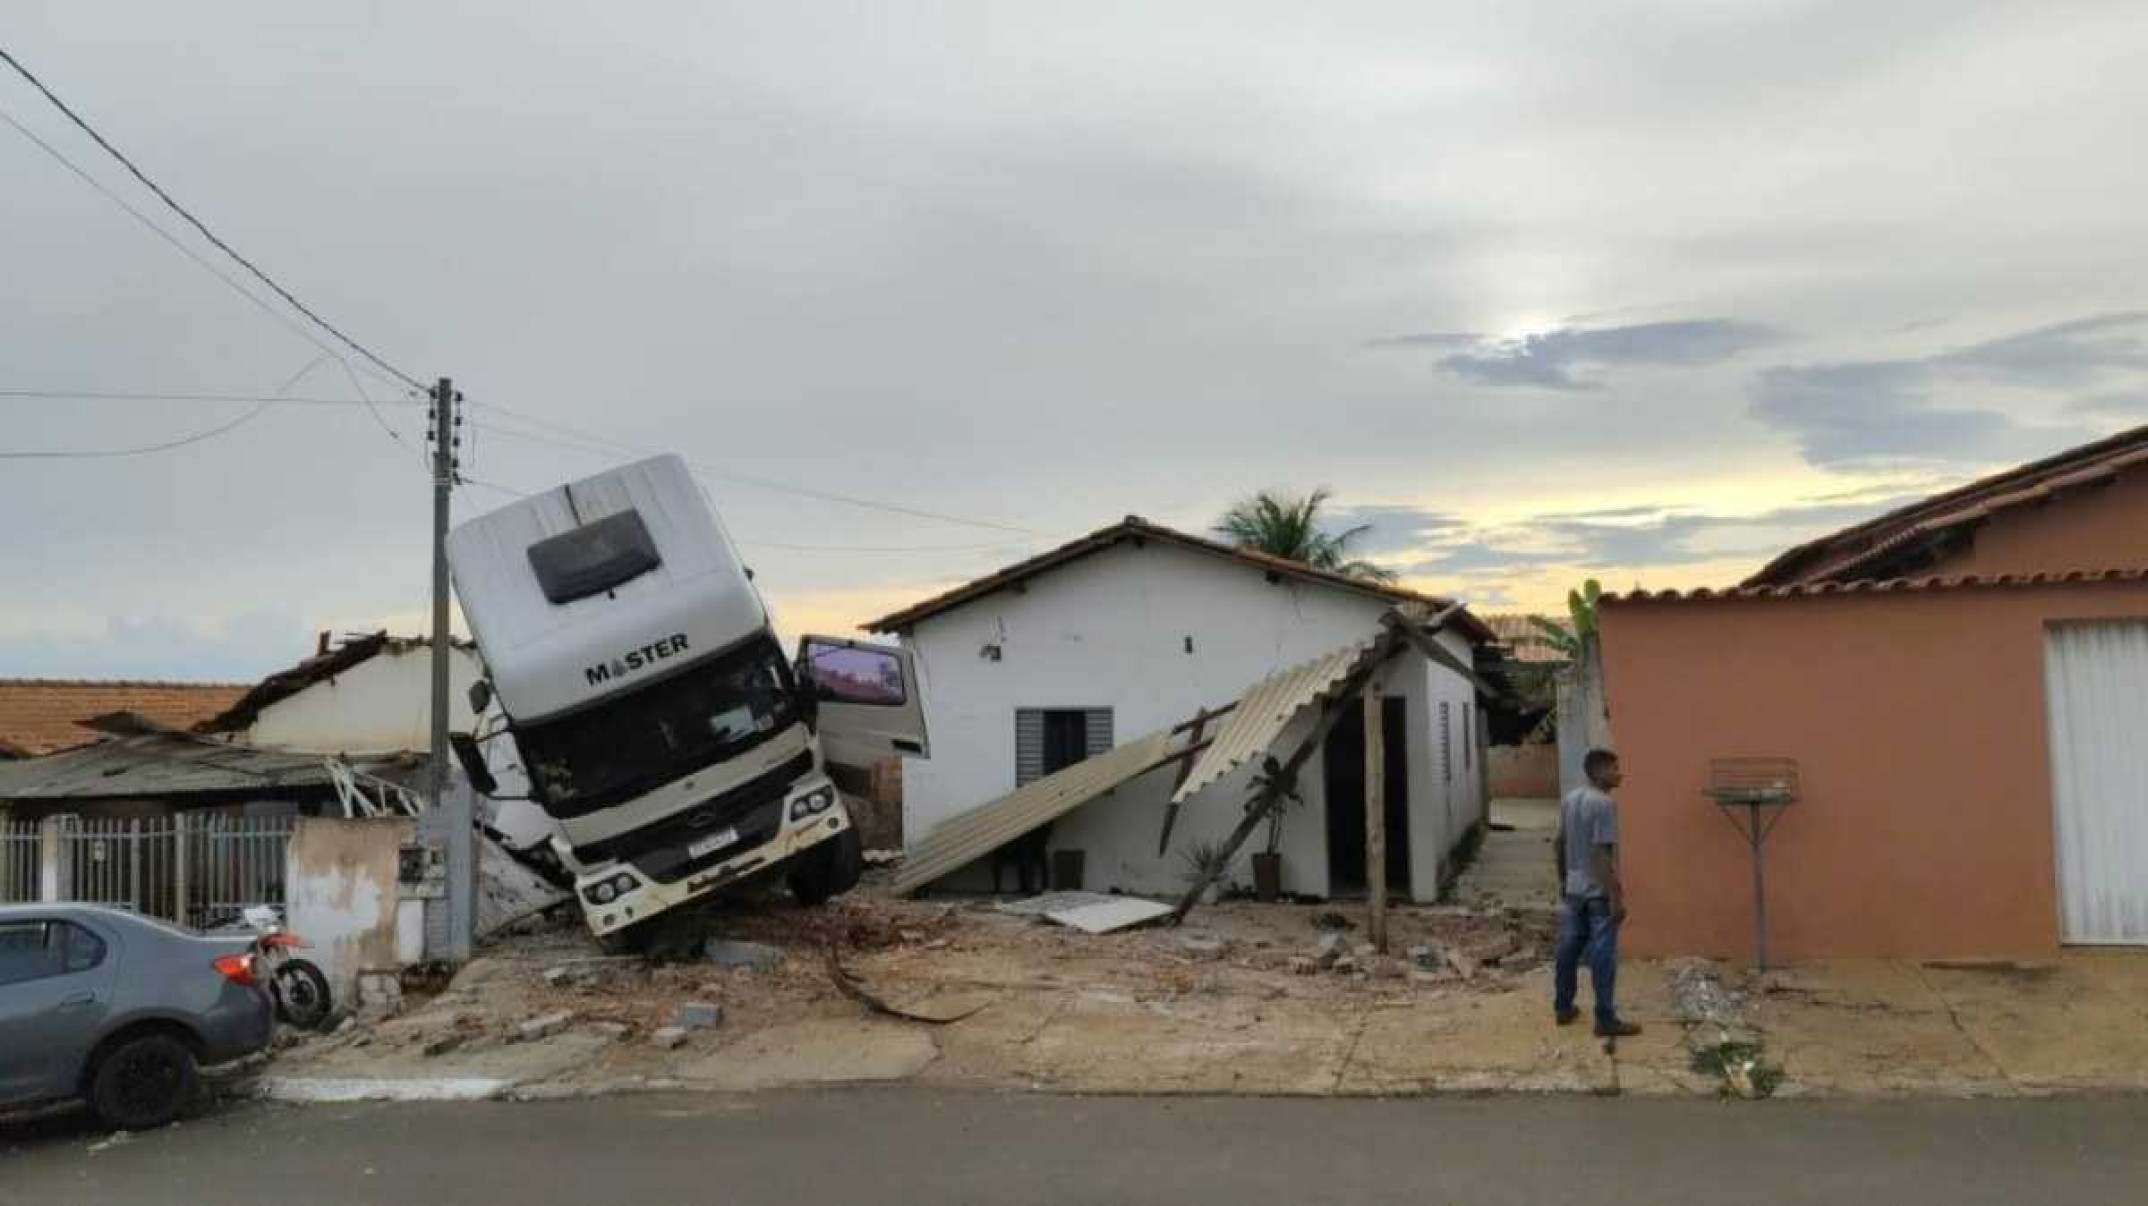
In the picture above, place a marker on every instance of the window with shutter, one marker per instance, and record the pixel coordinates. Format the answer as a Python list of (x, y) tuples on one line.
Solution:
[(1469, 740), (1048, 740)]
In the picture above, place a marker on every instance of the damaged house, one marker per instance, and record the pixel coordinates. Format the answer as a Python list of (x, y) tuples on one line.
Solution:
[(1081, 708)]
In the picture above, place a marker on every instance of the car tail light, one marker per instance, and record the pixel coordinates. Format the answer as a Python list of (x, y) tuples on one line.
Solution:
[(239, 969)]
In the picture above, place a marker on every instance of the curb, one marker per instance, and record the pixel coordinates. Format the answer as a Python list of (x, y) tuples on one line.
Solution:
[(309, 1090)]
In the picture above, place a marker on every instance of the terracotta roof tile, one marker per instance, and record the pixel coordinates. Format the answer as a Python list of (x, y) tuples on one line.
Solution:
[(1133, 527), (40, 715), (1879, 586), (1843, 555)]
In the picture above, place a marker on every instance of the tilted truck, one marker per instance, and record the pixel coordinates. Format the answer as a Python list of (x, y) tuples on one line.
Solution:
[(672, 747)]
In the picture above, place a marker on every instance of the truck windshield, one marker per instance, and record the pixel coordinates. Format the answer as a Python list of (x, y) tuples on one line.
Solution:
[(636, 742)]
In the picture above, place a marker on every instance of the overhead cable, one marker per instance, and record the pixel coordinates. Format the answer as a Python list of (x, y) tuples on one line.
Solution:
[(198, 225)]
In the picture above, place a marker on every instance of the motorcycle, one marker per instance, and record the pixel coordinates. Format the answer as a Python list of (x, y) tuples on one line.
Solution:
[(297, 986)]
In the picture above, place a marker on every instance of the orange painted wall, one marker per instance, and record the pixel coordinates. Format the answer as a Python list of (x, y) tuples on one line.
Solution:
[(1917, 719), (2094, 528)]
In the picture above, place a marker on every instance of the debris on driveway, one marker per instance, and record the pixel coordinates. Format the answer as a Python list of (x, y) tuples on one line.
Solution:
[(697, 1015), (755, 956), (1089, 912)]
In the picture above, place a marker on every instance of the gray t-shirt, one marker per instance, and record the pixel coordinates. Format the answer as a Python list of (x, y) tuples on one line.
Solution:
[(1590, 819)]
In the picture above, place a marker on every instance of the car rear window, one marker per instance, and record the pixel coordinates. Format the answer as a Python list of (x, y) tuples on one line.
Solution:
[(33, 950)]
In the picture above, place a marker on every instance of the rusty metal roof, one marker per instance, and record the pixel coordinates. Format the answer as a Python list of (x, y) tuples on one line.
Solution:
[(1266, 709), (1880, 586), (1851, 552), (157, 763), (1135, 528), (962, 840)]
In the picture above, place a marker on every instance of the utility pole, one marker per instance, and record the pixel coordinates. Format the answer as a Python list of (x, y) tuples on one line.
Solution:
[(452, 815)]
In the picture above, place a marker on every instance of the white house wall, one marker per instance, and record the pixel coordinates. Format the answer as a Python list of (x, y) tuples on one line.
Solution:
[(381, 705), (1111, 630)]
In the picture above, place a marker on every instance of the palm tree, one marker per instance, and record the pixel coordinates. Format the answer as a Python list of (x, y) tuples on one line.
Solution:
[(1282, 526)]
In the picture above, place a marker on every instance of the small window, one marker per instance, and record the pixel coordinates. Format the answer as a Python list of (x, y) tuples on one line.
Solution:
[(1469, 740), (80, 950), (1049, 740), (594, 558), (1446, 744)]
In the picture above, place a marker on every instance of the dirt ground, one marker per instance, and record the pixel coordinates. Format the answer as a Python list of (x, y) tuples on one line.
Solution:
[(1244, 998)]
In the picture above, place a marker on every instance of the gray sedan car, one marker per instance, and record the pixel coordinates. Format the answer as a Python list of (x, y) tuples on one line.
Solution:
[(120, 1010)]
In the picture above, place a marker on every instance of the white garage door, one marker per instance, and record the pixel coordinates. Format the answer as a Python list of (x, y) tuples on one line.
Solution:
[(2096, 681)]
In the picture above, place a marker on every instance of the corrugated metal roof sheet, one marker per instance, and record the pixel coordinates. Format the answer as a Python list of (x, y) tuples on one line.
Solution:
[(1880, 586), (1265, 709), (155, 765), (960, 841)]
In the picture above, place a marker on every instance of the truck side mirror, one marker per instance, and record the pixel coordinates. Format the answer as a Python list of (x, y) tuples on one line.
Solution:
[(473, 763), (480, 696)]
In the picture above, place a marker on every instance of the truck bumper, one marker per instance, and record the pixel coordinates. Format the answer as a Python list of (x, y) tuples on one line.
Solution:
[(648, 897)]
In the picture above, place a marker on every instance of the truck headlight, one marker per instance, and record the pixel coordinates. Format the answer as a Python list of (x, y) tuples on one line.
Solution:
[(609, 890), (813, 803)]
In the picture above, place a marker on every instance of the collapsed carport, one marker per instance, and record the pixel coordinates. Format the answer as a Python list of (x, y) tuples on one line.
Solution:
[(1254, 751)]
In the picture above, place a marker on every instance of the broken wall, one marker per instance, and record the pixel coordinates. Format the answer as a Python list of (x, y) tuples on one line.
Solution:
[(343, 895)]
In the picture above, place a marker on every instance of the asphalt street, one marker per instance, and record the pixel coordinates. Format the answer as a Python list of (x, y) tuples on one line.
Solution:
[(892, 1147)]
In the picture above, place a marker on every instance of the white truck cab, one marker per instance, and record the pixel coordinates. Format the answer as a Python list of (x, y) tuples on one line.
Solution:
[(671, 745)]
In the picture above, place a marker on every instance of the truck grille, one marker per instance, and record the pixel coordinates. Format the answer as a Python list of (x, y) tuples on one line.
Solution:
[(663, 844)]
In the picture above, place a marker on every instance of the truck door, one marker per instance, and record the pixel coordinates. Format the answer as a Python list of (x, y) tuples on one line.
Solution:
[(869, 703)]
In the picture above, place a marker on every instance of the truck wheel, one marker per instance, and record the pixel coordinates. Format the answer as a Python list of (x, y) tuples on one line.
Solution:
[(144, 1082), (829, 869), (627, 941)]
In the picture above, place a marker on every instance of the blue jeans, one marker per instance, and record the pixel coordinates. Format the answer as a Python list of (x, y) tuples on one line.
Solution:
[(1586, 931)]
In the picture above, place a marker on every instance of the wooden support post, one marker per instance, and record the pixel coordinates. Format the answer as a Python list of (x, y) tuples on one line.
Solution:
[(1270, 796), (1376, 815)]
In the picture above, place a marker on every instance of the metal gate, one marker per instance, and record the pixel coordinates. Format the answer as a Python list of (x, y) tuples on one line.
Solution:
[(2096, 687), (128, 863), (232, 862)]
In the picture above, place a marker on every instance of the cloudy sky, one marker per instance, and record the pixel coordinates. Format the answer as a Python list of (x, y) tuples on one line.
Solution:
[(1638, 291)]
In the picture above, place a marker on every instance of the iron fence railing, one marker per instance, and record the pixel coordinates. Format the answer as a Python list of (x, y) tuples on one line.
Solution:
[(21, 861), (233, 862), (199, 869)]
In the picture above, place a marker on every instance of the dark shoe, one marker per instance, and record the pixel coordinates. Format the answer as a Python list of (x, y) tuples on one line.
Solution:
[(1566, 1017), (1617, 1028)]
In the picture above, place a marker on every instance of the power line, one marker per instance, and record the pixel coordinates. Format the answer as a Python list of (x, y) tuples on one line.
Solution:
[(590, 442), (800, 548), (183, 441), (151, 225), (68, 395), (197, 224)]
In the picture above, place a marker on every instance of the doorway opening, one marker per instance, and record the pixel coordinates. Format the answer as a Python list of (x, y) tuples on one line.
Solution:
[(1344, 778)]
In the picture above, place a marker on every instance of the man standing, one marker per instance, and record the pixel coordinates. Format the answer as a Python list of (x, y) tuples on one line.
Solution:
[(1593, 901)]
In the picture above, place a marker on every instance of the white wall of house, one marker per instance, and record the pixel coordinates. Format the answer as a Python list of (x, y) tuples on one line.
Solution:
[(381, 705), (1155, 632)]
